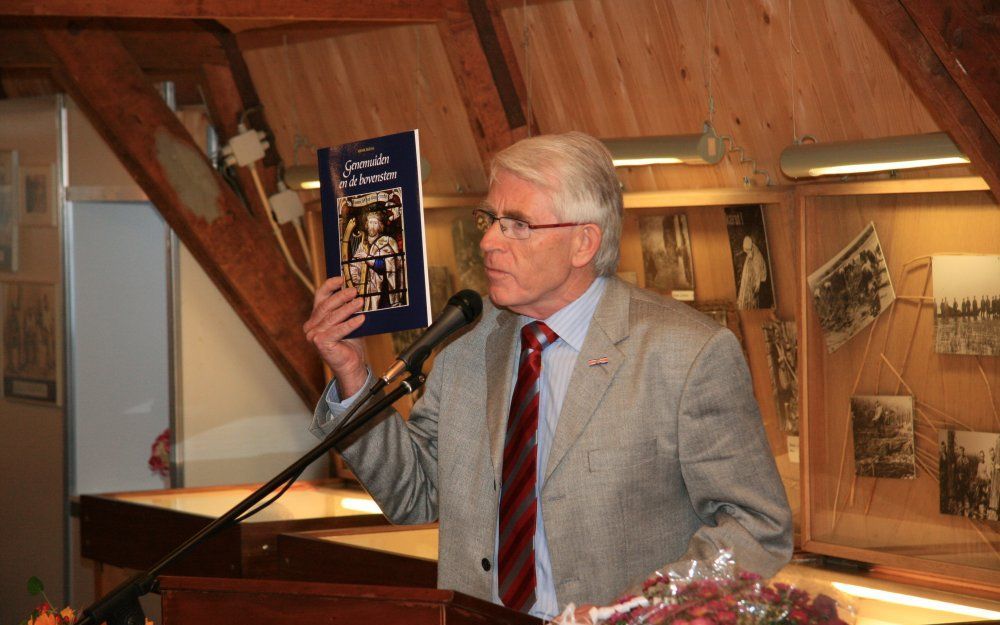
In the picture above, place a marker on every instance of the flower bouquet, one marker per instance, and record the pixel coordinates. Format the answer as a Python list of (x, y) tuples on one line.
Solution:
[(715, 593), (45, 614)]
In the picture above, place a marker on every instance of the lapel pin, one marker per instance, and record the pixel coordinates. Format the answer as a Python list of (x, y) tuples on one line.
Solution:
[(603, 360)]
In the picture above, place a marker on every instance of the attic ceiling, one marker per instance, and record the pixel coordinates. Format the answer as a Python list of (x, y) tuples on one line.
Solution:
[(475, 75), (610, 68)]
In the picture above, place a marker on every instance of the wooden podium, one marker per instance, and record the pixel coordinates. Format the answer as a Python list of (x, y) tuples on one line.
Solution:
[(217, 601)]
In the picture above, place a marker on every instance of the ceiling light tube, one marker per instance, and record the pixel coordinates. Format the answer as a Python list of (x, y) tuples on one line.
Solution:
[(913, 601), (839, 158), (697, 149), (302, 177)]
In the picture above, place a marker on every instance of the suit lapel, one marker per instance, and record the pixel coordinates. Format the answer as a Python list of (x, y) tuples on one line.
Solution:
[(589, 383), (500, 345)]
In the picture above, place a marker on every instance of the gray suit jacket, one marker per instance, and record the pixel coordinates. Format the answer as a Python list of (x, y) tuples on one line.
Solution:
[(659, 455)]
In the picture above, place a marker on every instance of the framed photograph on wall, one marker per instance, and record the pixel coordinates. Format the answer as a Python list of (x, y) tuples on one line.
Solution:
[(751, 256), (38, 195), (30, 360), (666, 255), (724, 312), (8, 211)]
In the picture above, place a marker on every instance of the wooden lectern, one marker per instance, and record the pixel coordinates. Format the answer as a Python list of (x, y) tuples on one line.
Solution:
[(217, 601)]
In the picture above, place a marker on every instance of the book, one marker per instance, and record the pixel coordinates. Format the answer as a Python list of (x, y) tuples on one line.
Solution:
[(373, 228)]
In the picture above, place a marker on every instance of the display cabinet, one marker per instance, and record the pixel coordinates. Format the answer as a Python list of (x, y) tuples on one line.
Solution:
[(134, 530), (900, 440)]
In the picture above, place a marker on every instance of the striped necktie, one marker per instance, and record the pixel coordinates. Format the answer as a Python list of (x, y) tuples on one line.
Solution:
[(518, 507)]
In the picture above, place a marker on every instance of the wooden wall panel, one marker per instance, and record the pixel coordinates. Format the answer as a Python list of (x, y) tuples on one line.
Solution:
[(366, 83), (639, 68)]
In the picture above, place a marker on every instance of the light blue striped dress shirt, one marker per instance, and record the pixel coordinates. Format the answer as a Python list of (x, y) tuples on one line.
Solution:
[(558, 360)]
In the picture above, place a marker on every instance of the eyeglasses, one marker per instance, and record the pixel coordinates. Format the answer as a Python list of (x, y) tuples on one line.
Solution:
[(510, 227)]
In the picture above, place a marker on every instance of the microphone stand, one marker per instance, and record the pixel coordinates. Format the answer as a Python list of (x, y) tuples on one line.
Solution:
[(121, 605)]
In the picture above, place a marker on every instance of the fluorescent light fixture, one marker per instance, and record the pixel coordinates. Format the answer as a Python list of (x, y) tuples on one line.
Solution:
[(302, 177), (864, 592), (704, 148), (360, 505), (839, 158)]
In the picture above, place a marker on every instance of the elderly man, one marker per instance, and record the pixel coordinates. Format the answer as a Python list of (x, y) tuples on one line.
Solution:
[(584, 432)]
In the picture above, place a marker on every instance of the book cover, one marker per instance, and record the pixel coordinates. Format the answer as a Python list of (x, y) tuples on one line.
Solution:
[(373, 228)]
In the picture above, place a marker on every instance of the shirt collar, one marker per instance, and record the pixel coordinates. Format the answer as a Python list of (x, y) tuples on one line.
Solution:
[(572, 321)]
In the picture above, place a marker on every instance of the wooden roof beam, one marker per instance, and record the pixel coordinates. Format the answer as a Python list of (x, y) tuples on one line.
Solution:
[(949, 104), (236, 250), (482, 59), (340, 10), (160, 46), (965, 35)]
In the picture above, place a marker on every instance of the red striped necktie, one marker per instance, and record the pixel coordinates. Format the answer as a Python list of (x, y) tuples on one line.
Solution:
[(518, 507)]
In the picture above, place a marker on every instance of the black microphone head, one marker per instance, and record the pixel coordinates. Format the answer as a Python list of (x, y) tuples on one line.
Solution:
[(469, 302)]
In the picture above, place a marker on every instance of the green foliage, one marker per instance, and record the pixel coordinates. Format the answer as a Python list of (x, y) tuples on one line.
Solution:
[(35, 586)]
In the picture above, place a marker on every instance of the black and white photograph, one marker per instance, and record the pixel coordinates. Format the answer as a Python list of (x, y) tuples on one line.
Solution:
[(883, 436), (782, 347), (8, 167), (969, 473), (852, 289), (751, 257), (723, 311), (439, 278), (966, 304), (372, 254), (666, 255), (30, 360), (38, 195), (8, 211), (629, 276), (465, 238)]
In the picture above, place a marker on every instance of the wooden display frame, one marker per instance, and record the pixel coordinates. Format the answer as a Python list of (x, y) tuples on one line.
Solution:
[(318, 557), (130, 530), (922, 563)]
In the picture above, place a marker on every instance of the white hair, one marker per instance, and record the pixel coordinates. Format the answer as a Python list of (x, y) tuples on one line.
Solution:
[(577, 171)]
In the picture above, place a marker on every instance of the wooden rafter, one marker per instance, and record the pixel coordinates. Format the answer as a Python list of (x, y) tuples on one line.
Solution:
[(341, 10), (965, 35), (482, 60), (237, 251), (159, 46), (947, 99)]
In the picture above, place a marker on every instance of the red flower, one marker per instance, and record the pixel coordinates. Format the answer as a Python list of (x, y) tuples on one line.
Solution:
[(159, 456)]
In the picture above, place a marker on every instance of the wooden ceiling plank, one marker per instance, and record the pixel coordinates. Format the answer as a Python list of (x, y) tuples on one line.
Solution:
[(948, 104), (966, 37), (341, 10), (481, 57), (236, 251)]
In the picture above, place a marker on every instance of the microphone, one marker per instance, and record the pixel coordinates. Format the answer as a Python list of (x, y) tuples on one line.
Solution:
[(463, 308)]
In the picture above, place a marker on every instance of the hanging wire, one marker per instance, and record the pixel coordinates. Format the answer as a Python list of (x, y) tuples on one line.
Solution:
[(727, 140), (791, 71), (527, 62), (708, 61), (299, 140), (420, 74)]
